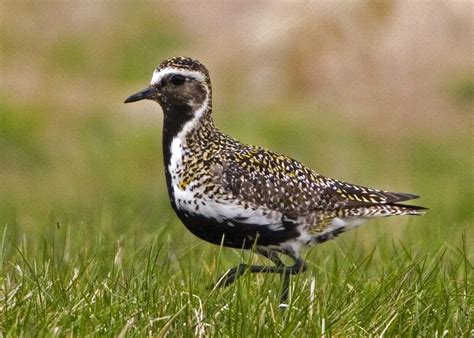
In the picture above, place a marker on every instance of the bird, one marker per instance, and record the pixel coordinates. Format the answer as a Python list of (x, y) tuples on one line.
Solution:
[(242, 196)]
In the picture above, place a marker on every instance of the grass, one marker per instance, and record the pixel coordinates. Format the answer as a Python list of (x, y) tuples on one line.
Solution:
[(141, 288)]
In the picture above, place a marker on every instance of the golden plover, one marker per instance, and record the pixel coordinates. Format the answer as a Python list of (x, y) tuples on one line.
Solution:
[(242, 196)]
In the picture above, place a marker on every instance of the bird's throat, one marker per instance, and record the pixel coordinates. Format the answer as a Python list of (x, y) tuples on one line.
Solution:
[(180, 119)]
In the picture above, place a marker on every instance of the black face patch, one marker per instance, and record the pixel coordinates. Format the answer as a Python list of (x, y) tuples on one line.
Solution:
[(178, 90), (180, 97)]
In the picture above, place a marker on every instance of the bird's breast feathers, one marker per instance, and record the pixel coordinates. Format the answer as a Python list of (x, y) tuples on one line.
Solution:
[(197, 189)]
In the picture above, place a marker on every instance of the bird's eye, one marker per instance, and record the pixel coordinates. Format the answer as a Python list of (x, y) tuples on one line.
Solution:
[(178, 80)]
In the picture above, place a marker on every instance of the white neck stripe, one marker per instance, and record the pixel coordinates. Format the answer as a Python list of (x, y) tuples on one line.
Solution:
[(176, 147), (188, 126), (158, 75)]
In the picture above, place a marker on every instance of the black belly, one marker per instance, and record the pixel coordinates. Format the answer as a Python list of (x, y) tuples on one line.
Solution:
[(239, 235)]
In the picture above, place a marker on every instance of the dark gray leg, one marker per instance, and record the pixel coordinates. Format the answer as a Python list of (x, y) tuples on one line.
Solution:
[(285, 271), (295, 269)]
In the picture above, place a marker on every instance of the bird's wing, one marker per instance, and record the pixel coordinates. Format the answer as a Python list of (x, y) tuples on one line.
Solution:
[(280, 183)]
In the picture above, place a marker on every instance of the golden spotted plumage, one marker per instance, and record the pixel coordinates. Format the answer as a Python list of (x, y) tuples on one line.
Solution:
[(243, 196)]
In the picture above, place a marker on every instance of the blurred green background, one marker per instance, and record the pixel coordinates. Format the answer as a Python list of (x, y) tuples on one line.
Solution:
[(379, 94)]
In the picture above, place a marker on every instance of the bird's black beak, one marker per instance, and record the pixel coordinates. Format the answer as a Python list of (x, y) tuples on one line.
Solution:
[(147, 93)]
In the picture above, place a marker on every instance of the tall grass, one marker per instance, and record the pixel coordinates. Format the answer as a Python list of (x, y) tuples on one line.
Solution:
[(146, 289)]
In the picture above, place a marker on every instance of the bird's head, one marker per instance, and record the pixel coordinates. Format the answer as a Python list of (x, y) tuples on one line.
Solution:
[(180, 83)]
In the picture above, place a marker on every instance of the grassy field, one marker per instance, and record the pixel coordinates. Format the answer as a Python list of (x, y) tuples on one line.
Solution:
[(90, 246)]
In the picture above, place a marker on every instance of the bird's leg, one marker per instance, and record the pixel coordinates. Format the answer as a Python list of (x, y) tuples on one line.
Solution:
[(285, 271), (272, 255), (294, 269)]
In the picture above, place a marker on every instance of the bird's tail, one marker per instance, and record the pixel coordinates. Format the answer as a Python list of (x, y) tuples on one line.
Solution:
[(351, 217), (383, 210)]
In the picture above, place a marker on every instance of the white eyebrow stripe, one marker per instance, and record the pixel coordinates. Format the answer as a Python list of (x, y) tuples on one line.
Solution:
[(158, 75)]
